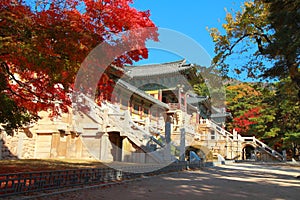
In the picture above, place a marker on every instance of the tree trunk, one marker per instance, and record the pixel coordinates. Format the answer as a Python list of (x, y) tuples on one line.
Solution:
[(294, 74)]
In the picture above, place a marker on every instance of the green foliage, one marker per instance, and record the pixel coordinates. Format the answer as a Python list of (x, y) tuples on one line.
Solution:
[(292, 137), (292, 141), (201, 89), (264, 37), (13, 116), (209, 84), (277, 122), (243, 101)]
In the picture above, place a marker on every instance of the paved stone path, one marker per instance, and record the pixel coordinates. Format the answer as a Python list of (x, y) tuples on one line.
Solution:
[(235, 181)]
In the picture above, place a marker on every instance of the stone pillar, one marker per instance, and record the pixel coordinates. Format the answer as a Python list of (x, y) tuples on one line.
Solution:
[(167, 148), (127, 149), (283, 154), (105, 145), (182, 144), (226, 147), (105, 148)]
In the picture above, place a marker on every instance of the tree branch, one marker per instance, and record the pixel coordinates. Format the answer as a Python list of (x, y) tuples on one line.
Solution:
[(6, 68)]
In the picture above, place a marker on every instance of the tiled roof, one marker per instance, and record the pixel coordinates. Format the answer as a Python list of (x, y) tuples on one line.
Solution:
[(195, 99), (219, 112), (141, 93), (227, 114), (157, 69)]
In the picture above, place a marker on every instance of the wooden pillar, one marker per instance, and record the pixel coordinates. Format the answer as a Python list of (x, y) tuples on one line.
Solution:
[(150, 113), (130, 107), (160, 95), (197, 118), (179, 98), (141, 109)]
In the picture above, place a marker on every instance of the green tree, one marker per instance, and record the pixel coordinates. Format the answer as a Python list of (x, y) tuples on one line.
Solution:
[(11, 115), (265, 38), (243, 102), (268, 111), (208, 83), (287, 109), (201, 89)]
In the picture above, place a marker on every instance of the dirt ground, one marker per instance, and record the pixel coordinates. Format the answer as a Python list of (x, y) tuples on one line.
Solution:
[(234, 181)]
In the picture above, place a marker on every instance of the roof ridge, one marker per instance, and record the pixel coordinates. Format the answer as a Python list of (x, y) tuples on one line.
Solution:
[(182, 62)]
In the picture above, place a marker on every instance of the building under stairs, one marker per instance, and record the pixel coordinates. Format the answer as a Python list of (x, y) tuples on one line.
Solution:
[(152, 118)]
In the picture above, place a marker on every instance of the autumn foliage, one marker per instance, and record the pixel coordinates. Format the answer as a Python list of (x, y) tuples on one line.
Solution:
[(43, 44), (243, 102), (244, 122)]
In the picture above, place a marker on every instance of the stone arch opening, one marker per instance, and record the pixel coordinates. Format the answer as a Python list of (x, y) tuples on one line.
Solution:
[(248, 152), (203, 152)]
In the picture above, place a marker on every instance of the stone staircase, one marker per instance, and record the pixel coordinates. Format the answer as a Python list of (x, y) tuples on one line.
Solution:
[(110, 118), (265, 148), (235, 137)]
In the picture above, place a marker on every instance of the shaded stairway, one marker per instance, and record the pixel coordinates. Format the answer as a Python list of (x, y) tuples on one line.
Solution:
[(263, 147), (235, 137), (111, 119)]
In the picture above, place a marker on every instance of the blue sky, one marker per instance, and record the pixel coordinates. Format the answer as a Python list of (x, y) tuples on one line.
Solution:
[(189, 17)]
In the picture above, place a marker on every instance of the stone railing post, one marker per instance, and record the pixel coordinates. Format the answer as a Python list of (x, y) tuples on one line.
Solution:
[(235, 134), (147, 124), (168, 138), (105, 119)]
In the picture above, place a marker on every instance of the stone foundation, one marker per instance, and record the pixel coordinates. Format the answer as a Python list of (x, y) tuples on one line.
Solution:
[(18, 146)]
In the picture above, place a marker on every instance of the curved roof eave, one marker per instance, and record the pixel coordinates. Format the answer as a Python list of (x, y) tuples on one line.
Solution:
[(141, 93)]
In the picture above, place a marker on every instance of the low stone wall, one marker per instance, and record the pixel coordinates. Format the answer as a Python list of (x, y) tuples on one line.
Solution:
[(52, 145), (18, 146)]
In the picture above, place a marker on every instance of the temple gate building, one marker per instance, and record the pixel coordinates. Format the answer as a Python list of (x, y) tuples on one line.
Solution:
[(153, 117)]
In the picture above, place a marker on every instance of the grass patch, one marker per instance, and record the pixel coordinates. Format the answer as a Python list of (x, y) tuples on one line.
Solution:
[(30, 165)]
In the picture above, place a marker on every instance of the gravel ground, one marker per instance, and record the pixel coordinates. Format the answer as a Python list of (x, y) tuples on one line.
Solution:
[(233, 181)]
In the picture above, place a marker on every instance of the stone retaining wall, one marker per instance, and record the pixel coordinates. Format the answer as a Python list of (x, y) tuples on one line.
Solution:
[(20, 145)]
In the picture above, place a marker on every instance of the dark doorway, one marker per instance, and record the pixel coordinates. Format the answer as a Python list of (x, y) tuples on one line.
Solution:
[(169, 96), (248, 152), (116, 141), (199, 152)]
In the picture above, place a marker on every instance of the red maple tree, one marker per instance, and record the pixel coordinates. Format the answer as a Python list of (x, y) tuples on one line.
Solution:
[(43, 44), (244, 122)]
